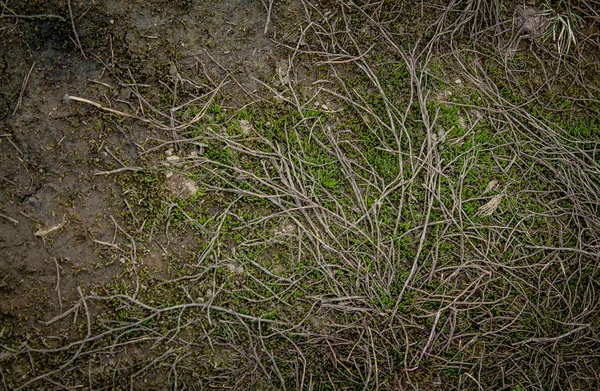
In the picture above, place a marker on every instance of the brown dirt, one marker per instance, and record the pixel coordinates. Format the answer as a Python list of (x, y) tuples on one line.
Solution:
[(50, 149)]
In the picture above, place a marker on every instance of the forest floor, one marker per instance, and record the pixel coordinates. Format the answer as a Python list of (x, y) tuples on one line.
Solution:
[(293, 194)]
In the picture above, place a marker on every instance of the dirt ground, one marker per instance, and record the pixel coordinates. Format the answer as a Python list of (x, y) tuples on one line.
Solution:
[(51, 148), (55, 210), (78, 198)]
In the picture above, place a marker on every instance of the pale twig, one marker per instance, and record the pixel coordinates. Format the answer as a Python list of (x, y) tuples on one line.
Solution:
[(118, 170), (74, 29), (14, 145), (14, 221), (270, 5), (38, 16), (23, 86), (133, 255), (107, 244), (57, 288), (68, 98), (75, 308)]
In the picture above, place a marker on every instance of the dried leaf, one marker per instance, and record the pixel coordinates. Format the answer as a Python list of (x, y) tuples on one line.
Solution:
[(490, 207)]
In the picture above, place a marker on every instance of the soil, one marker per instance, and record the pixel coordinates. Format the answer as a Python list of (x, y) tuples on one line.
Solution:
[(57, 215)]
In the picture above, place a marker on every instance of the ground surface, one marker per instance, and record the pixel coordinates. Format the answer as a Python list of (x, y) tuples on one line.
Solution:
[(302, 195)]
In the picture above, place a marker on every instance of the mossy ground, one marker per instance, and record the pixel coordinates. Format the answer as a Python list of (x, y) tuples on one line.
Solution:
[(378, 204)]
